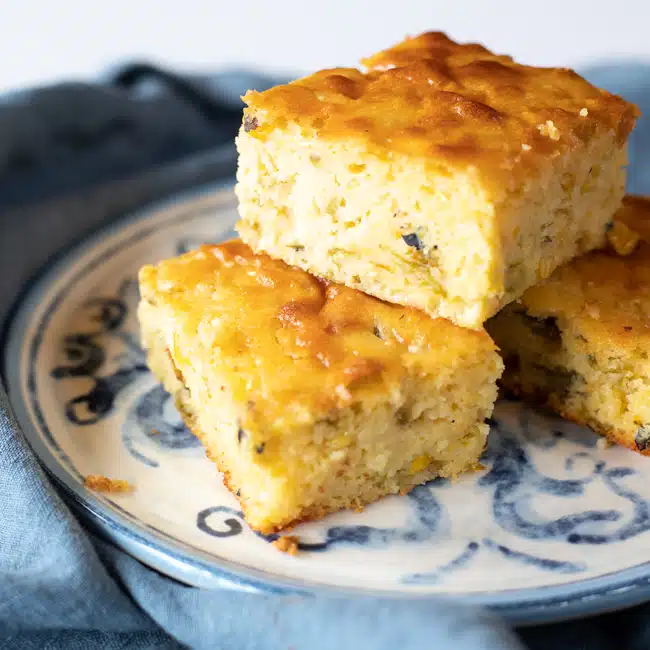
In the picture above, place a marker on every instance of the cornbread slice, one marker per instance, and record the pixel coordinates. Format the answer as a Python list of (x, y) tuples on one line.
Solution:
[(310, 396), (444, 177), (580, 340)]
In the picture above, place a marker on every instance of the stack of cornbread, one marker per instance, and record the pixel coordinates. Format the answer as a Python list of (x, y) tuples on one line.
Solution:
[(336, 353)]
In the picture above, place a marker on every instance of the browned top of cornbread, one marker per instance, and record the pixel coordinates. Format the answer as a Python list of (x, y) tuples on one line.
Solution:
[(603, 295), (450, 103), (289, 344)]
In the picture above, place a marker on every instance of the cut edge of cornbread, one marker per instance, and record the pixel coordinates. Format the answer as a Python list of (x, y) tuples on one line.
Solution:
[(431, 239), (579, 341), (431, 424)]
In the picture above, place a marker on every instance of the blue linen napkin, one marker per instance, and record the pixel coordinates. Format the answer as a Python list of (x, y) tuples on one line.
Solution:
[(68, 165)]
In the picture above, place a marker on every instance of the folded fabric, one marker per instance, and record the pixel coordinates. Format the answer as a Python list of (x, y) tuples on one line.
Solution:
[(60, 586)]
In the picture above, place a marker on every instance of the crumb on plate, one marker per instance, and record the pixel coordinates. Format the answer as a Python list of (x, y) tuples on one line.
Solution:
[(286, 544), (103, 484)]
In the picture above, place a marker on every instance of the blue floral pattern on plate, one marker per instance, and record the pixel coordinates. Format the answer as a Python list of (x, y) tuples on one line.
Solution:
[(508, 534)]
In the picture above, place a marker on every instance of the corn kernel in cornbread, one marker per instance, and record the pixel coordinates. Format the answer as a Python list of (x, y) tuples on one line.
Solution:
[(444, 177), (580, 340), (310, 396)]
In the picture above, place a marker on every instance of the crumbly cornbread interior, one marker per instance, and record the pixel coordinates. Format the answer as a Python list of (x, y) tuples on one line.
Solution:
[(580, 340), (444, 177), (311, 396)]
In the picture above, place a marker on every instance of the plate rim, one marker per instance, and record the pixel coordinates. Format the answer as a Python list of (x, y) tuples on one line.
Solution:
[(175, 558)]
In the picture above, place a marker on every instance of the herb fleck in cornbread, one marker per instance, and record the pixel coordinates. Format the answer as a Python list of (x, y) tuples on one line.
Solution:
[(311, 396), (580, 340), (444, 177)]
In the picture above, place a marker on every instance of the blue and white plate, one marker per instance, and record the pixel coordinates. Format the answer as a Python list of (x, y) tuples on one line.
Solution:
[(557, 525)]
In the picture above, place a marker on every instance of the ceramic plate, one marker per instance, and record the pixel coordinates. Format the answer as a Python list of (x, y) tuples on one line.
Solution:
[(555, 526)]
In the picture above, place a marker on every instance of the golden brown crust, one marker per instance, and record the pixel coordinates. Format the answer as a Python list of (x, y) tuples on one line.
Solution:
[(449, 103), (308, 347), (617, 436)]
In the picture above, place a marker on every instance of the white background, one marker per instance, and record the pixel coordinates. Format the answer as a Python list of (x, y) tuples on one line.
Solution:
[(46, 40)]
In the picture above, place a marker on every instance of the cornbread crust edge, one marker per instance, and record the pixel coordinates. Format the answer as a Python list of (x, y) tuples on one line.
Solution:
[(445, 178), (513, 384), (274, 490), (579, 341)]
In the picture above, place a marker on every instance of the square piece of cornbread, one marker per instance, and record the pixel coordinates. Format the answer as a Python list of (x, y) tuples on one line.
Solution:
[(580, 341), (443, 177), (310, 396)]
